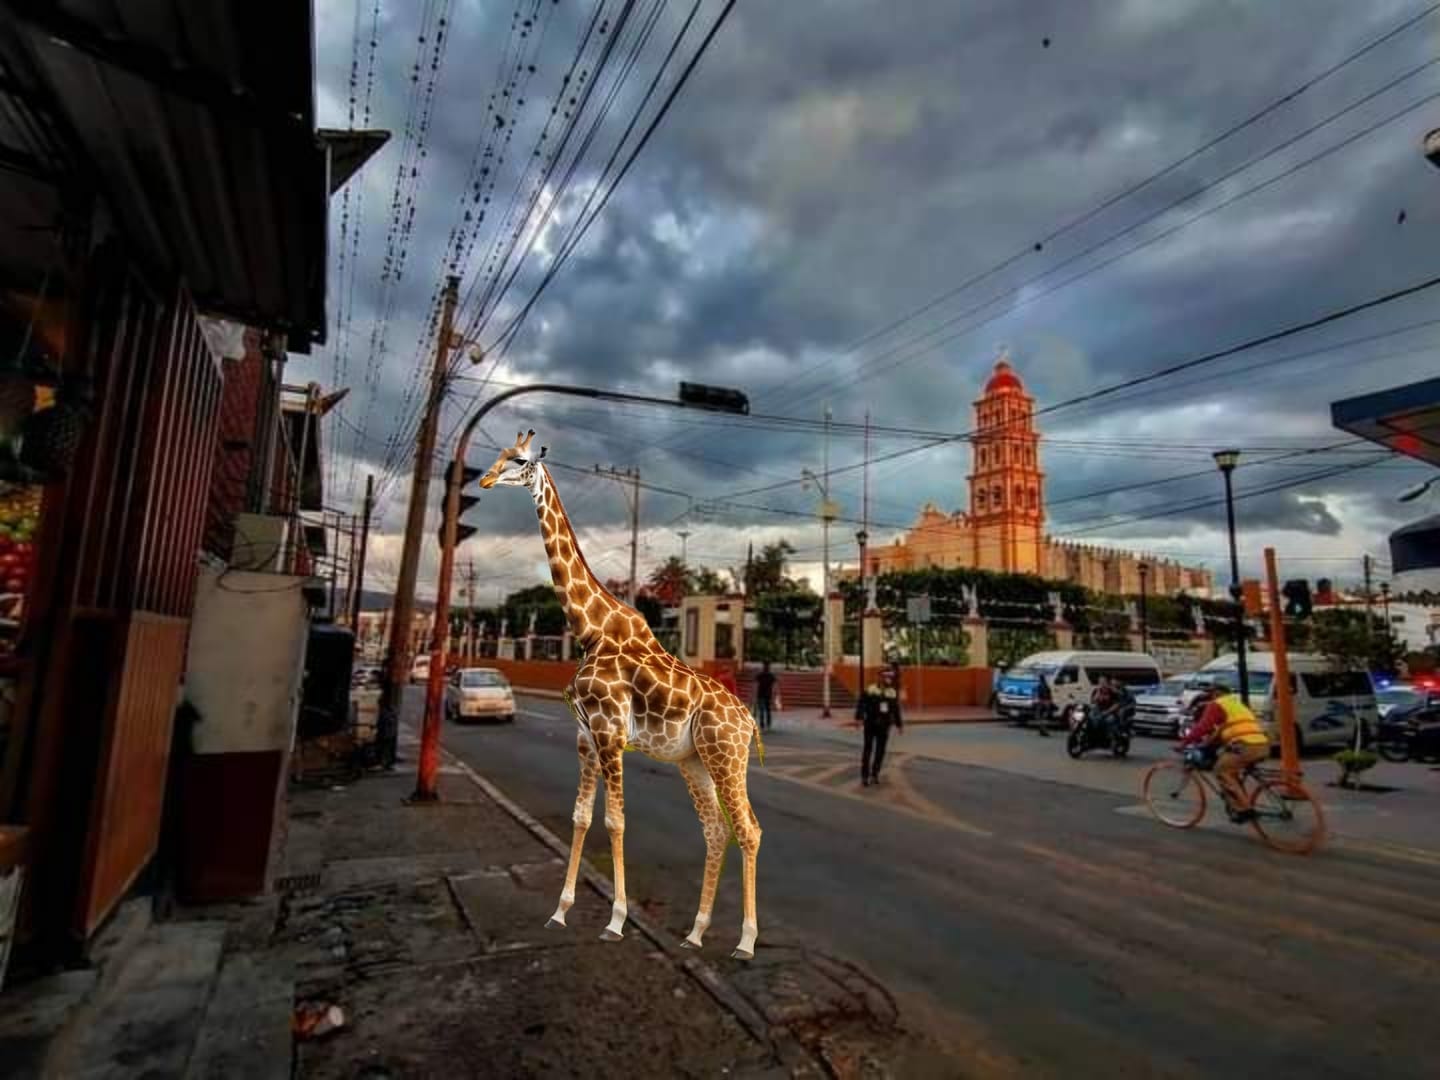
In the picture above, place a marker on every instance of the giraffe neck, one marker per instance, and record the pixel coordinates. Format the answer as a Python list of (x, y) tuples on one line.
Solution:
[(575, 582)]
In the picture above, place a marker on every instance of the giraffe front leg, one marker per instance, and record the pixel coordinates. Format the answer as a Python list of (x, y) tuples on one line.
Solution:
[(707, 808), (584, 808), (612, 762)]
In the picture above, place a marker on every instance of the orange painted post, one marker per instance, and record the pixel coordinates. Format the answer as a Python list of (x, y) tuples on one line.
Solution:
[(1284, 702)]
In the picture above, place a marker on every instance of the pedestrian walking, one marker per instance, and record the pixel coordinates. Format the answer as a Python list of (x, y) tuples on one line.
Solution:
[(1044, 707), (764, 695), (877, 709)]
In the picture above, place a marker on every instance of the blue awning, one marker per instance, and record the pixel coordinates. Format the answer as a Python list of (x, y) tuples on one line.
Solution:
[(1405, 419)]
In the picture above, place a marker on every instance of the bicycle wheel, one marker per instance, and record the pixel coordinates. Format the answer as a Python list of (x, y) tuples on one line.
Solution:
[(1286, 817), (1175, 795)]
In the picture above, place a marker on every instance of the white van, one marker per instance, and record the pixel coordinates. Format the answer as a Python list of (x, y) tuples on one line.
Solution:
[(1072, 676), (1328, 703)]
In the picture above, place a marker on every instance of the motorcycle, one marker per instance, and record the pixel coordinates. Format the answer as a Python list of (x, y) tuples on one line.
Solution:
[(1089, 732), (1409, 737)]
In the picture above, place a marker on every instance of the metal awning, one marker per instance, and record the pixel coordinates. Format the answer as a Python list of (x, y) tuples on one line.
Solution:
[(1416, 546), (1405, 419), (196, 123)]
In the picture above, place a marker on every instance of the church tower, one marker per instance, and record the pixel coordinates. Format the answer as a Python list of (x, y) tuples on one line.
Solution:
[(1007, 506)]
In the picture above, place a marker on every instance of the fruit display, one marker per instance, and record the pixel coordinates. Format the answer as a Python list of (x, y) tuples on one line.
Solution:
[(19, 518)]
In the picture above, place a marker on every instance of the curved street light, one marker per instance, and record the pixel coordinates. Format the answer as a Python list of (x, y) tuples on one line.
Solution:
[(690, 396)]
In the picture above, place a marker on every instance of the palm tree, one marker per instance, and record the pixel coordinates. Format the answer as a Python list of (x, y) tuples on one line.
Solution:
[(671, 581)]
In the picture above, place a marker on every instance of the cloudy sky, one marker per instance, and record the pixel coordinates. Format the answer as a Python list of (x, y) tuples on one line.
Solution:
[(844, 205)]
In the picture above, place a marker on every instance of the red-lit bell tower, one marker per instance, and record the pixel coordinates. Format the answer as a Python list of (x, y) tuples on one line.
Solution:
[(1007, 503)]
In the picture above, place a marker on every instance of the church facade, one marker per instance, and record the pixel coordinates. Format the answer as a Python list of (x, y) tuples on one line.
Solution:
[(1003, 526)]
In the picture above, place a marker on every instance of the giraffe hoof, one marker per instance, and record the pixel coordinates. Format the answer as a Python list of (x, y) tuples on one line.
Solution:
[(610, 935), (741, 954), (554, 924)]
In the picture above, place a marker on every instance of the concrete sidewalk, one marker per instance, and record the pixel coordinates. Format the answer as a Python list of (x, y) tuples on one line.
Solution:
[(423, 927)]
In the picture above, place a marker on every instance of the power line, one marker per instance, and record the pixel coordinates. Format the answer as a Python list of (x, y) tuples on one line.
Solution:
[(1150, 377), (513, 327), (899, 357)]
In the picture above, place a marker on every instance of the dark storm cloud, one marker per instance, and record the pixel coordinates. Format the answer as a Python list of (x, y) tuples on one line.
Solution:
[(832, 167)]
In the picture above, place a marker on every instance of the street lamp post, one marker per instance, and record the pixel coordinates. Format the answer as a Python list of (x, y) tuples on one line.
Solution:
[(827, 514), (691, 396), (862, 538), (1226, 460), (1144, 569)]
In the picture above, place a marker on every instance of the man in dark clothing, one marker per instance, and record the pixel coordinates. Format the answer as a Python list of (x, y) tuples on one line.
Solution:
[(1044, 707), (764, 695), (877, 709)]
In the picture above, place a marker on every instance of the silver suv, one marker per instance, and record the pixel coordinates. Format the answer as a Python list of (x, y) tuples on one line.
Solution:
[(1164, 709)]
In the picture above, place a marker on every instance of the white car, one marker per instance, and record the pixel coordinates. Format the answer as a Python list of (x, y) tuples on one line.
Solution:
[(479, 693)]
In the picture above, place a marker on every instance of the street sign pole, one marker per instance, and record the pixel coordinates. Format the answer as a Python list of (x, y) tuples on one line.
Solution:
[(1284, 702)]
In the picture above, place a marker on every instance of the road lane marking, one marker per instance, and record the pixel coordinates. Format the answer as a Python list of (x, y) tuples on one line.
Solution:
[(948, 821)]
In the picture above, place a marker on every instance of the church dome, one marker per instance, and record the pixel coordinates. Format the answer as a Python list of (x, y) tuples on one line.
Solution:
[(1004, 378)]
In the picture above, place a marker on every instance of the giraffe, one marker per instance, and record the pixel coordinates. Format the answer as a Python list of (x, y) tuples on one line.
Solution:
[(630, 693)]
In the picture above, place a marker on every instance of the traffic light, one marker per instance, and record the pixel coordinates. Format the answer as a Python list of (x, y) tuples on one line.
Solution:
[(717, 398), (463, 532), (1298, 604)]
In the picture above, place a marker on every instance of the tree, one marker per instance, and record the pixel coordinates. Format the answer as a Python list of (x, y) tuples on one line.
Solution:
[(708, 583), (766, 572), (1341, 635), (671, 582), (540, 600)]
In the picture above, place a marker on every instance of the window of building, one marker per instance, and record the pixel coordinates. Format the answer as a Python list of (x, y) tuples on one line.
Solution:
[(980, 499), (1030, 499), (997, 496)]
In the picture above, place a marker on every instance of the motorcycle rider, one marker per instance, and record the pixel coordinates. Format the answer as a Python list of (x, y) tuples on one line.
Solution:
[(1107, 703)]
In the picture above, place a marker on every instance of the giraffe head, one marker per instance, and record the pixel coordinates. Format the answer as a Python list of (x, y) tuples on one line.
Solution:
[(515, 467)]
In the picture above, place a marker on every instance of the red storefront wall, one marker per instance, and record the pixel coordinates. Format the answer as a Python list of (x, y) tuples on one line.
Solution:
[(128, 531)]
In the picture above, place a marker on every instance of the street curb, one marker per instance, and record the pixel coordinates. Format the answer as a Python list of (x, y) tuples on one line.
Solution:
[(708, 979)]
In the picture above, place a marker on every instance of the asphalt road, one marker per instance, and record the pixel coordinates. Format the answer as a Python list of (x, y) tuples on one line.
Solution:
[(1032, 926)]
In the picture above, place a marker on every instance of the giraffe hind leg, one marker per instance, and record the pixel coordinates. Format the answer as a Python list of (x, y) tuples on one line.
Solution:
[(717, 835), (724, 744)]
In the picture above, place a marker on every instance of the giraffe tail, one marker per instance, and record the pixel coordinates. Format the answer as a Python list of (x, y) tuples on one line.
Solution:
[(759, 741)]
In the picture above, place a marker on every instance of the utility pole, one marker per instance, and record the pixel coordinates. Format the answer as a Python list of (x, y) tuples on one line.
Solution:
[(863, 538), (397, 660), (357, 601), (470, 608), (633, 498), (1369, 598)]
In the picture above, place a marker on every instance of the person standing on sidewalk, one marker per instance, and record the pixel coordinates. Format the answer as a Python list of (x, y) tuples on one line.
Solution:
[(764, 695), (877, 709)]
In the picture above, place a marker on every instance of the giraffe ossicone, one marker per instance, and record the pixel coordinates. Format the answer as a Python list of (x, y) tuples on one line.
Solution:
[(629, 693)]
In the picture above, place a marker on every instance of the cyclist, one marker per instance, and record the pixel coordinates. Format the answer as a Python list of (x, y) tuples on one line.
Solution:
[(1228, 727)]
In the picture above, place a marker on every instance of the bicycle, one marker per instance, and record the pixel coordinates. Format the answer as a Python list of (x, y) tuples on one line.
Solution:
[(1287, 818)]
